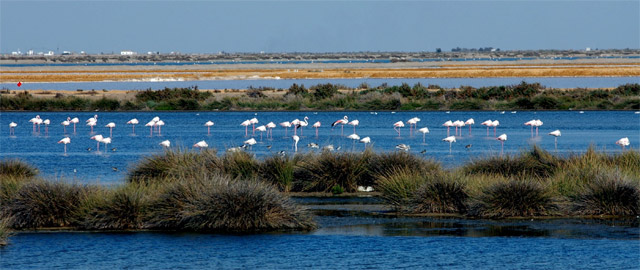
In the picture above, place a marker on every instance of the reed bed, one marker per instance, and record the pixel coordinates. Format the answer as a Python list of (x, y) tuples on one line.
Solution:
[(4, 232)]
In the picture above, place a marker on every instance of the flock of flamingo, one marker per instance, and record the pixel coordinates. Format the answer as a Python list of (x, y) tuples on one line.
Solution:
[(155, 125)]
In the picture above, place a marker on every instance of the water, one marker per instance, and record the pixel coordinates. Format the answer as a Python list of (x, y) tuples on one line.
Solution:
[(183, 129), (555, 82)]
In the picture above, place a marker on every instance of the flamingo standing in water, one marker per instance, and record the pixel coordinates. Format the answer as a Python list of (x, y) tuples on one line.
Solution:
[(93, 119), (250, 142), (469, 123), (35, 121), (296, 139), (341, 122), (556, 133), (365, 141), (286, 125), (65, 141), (458, 124), (98, 138), (448, 124), (155, 120), (246, 124), (150, 125), (303, 124), (270, 127), (530, 123), (253, 121), (413, 123), (354, 137), (537, 124), (201, 144), (502, 138), (92, 124), (424, 131), (261, 129), (106, 141), (133, 122), (209, 124), (450, 140), (64, 124), (487, 123), (495, 125), (159, 124), (295, 124), (623, 142), (12, 130), (397, 126), (317, 125), (46, 123), (111, 125), (166, 143), (354, 123), (75, 120)]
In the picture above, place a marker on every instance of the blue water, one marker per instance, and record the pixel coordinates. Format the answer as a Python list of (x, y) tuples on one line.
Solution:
[(183, 129), (554, 82)]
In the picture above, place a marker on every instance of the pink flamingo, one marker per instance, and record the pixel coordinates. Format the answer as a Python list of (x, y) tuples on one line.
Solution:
[(12, 130), (424, 132), (35, 122), (556, 133), (450, 140), (295, 124), (317, 125), (246, 124), (502, 138), (458, 124), (111, 125), (487, 123), (105, 141), (469, 123), (448, 124), (365, 141), (201, 144), (261, 129), (250, 142), (623, 142), (150, 125), (342, 122), (354, 123), (530, 123), (537, 124), (46, 123), (92, 119), (397, 126), (270, 126), (91, 124), (65, 124), (74, 121), (303, 124), (133, 122), (209, 124), (495, 125), (413, 123), (98, 138), (253, 121), (159, 124), (286, 126), (65, 141)]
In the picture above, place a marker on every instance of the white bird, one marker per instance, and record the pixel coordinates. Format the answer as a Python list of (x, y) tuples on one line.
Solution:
[(424, 131), (354, 123), (246, 124), (159, 124), (470, 122), (623, 142), (286, 125), (253, 122), (537, 124), (46, 123), (341, 122), (166, 143), (502, 138), (316, 125), (98, 138), (111, 125), (556, 133), (65, 141), (397, 126), (92, 124), (150, 124), (92, 119), (133, 122), (495, 125), (261, 129), (64, 124), (105, 141), (209, 124), (34, 121), (201, 144), (531, 123), (250, 142), (75, 120), (413, 122), (458, 124), (450, 140), (313, 145), (155, 119), (487, 123), (365, 141), (303, 124), (295, 142), (12, 126), (270, 127), (448, 124)]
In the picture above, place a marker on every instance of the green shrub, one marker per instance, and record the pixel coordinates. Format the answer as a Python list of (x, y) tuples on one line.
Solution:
[(609, 193), (174, 163), (117, 209), (328, 169), (4, 232), (399, 186), (441, 194), (537, 162), (279, 170), (239, 164), (16, 168), (386, 163), (516, 198), (323, 91)]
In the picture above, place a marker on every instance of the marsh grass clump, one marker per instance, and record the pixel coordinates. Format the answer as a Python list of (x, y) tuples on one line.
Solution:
[(609, 193), (327, 170), (173, 163), (118, 209), (239, 164), (45, 204), (16, 168), (515, 198), (280, 170), (218, 204), (535, 163), (444, 193), (385, 163), (4, 232), (398, 187)]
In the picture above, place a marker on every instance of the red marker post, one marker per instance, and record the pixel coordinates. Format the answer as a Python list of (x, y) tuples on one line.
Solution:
[(19, 84)]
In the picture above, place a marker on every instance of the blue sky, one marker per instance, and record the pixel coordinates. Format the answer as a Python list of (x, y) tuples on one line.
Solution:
[(315, 26)]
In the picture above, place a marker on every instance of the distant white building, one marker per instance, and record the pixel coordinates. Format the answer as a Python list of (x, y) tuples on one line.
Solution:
[(49, 53), (30, 52), (128, 53), (66, 53), (588, 49)]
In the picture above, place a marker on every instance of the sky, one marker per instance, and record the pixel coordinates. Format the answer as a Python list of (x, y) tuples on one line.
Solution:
[(315, 26)]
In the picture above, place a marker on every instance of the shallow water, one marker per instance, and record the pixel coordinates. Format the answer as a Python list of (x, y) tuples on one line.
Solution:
[(555, 82), (183, 129)]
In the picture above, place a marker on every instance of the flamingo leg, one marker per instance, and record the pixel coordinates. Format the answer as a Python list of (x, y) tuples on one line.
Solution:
[(502, 147), (342, 130), (447, 131), (423, 135), (494, 131), (65, 148), (134, 129), (246, 131), (74, 128), (469, 130), (316, 132)]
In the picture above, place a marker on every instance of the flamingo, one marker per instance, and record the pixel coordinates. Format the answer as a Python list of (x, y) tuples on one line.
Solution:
[(253, 122), (450, 140), (35, 122), (424, 131), (133, 122), (365, 141), (623, 142), (413, 122), (556, 133), (448, 124), (150, 125), (261, 129), (342, 122), (537, 124), (270, 126), (530, 123), (495, 125), (155, 121), (92, 124), (502, 138), (106, 141), (75, 120), (201, 144), (159, 124), (98, 138), (64, 124), (65, 141), (246, 124), (296, 124), (458, 124), (303, 124), (296, 139), (354, 137), (487, 123), (403, 147), (286, 126), (111, 125), (209, 124), (354, 123), (166, 143), (12, 130), (469, 123), (317, 125), (397, 126), (92, 119), (46, 123), (250, 142)]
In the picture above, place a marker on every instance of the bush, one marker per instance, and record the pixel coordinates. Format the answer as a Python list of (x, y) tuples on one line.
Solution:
[(174, 163), (4, 232), (327, 170), (279, 170), (297, 90), (386, 163), (218, 204), (16, 168), (609, 193), (118, 209), (323, 91), (537, 162), (398, 187), (239, 164), (105, 104), (516, 198), (442, 194)]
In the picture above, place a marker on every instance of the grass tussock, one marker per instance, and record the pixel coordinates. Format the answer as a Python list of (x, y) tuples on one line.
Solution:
[(328, 170), (442, 193), (398, 187), (609, 193), (239, 164), (280, 170), (515, 198), (386, 163), (4, 232), (119, 209), (534, 163), (16, 168), (218, 204), (175, 163)]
